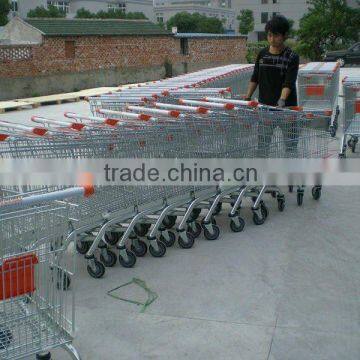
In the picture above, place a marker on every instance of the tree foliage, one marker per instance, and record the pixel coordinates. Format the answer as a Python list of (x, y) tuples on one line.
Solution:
[(246, 21), (110, 14), (51, 12), (328, 24), (4, 11), (191, 23)]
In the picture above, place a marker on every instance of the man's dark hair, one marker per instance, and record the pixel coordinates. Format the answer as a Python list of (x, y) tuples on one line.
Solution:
[(278, 25)]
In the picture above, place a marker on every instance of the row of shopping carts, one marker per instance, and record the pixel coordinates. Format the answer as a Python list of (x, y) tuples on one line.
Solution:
[(193, 116)]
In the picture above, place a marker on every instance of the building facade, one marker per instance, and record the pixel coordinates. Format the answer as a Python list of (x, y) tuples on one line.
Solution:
[(70, 7)]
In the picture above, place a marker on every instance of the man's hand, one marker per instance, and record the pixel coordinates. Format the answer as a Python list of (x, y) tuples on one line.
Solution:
[(281, 103)]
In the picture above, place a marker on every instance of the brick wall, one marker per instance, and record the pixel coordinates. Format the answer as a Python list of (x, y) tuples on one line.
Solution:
[(94, 53)]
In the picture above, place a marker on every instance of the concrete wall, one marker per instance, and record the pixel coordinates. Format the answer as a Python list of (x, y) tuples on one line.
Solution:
[(110, 61), (19, 32)]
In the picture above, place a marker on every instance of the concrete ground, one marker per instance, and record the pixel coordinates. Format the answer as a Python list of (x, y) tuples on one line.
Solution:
[(286, 290)]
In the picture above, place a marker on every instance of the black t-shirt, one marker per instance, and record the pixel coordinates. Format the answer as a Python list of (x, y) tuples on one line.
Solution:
[(273, 73)]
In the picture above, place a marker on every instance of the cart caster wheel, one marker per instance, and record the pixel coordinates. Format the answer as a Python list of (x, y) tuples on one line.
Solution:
[(195, 232), (83, 247), (237, 227), (169, 221), (170, 241), (141, 230), (273, 194), (291, 188), (281, 204), (6, 337), (258, 220), (214, 235), (109, 260), (300, 198), (195, 214), (112, 238), (332, 131), (130, 262), (140, 249), (44, 356), (99, 270), (316, 193), (342, 155), (264, 210), (218, 209), (188, 243), (63, 281), (160, 252)]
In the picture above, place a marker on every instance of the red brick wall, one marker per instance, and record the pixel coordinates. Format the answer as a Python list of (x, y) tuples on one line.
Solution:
[(94, 52)]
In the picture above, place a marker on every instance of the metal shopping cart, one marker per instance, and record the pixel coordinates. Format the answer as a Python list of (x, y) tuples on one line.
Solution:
[(351, 120), (36, 309), (318, 85)]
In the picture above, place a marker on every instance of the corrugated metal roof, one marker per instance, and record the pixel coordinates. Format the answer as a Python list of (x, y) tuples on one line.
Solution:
[(86, 27), (206, 35)]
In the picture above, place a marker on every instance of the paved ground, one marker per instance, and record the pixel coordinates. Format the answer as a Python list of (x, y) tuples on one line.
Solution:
[(287, 290)]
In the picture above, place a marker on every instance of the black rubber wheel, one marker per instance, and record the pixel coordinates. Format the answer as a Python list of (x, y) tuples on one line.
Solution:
[(169, 221), (44, 356), (333, 131), (5, 337), (99, 270), (140, 249), (109, 260), (141, 230), (218, 209), (235, 227), (63, 280), (273, 194), (300, 198), (186, 244), (160, 252), (316, 193), (194, 214), (258, 220), (168, 242), (291, 188), (197, 232), (112, 238), (342, 155), (281, 205), (264, 210), (214, 235), (130, 262), (83, 247)]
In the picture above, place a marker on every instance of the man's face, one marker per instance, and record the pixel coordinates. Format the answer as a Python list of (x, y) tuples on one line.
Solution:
[(275, 40)]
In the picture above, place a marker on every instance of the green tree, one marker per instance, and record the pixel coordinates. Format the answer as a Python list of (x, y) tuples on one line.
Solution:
[(4, 11), (50, 12), (327, 24), (84, 14), (246, 21), (190, 23), (110, 14)]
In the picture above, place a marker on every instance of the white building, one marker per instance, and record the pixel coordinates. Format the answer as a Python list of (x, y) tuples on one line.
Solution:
[(70, 7)]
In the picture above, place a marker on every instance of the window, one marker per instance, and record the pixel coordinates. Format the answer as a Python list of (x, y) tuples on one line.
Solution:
[(117, 6), (160, 18), (264, 1), (14, 5), (274, 14), (264, 17), (274, 1), (60, 5), (69, 49), (184, 46)]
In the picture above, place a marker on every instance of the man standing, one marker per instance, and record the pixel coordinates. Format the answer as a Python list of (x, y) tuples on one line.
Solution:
[(275, 72)]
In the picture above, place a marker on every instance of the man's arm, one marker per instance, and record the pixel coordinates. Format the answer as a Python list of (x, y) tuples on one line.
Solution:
[(290, 80), (254, 79)]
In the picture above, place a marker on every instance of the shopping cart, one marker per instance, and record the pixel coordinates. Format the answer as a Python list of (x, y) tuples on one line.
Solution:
[(37, 310), (318, 85), (351, 121)]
